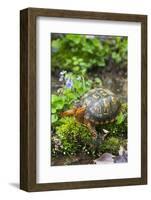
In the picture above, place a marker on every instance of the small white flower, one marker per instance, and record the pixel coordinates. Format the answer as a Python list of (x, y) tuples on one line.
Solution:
[(105, 131), (121, 150), (61, 78), (63, 72)]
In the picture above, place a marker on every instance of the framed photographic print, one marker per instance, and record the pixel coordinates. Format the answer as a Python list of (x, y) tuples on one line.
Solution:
[(83, 99)]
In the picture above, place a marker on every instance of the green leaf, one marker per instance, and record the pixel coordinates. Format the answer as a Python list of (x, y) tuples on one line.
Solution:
[(76, 69), (59, 105), (53, 110), (116, 57), (54, 118), (71, 96), (54, 98), (120, 118)]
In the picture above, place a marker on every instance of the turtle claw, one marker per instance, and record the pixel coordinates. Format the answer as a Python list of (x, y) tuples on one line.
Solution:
[(94, 136)]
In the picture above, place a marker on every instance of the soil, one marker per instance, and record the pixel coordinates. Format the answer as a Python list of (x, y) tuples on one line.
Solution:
[(113, 78), (72, 160)]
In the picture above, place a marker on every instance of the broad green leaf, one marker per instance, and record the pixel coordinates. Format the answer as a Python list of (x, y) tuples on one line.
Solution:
[(54, 98), (54, 118), (59, 105), (120, 118), (76, 69), (53, 110)]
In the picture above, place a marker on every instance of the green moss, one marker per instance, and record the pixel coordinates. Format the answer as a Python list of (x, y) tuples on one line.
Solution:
[(111, 145), (74, 137)]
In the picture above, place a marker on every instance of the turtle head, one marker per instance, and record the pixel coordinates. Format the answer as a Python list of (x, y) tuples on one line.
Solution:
[(70, 112), (78, 112)]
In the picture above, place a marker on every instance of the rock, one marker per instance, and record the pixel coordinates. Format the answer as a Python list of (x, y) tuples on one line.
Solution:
[(106, 158), (122, 157)]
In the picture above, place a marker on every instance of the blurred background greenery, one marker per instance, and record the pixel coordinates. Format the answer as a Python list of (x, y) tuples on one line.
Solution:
[(83, 52)]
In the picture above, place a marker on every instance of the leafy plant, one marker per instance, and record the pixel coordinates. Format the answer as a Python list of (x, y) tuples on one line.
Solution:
[(57, 103), (77, 52), (73, 87), (119, 50)]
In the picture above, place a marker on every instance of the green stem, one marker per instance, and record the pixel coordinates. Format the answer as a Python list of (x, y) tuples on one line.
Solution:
[(83, 82)]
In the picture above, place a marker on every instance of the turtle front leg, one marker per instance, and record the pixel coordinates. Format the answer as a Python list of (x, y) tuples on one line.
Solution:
[(91, 129)]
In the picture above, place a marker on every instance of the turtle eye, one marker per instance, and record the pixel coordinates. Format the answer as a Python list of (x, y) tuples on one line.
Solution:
[(81, 109)]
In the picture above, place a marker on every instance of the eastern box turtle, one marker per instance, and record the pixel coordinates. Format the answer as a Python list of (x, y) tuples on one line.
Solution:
[(98, 106)]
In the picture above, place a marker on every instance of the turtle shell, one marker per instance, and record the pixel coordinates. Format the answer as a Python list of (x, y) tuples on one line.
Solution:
[(101, 105)]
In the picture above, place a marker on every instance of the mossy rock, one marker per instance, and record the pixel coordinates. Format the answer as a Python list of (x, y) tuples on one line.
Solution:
[(110, 145), (74, 137), (71, 137)]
